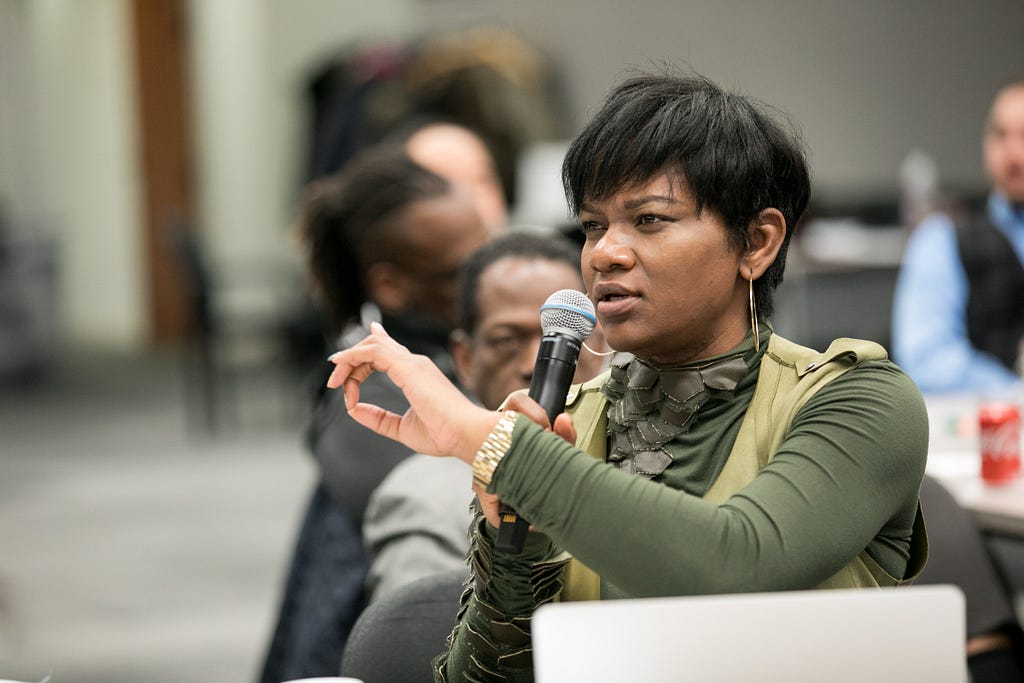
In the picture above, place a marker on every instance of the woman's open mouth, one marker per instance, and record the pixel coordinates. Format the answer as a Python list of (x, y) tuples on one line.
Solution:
[(613, 300)]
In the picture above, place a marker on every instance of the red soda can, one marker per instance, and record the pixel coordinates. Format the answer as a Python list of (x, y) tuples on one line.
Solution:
[(999, 427)]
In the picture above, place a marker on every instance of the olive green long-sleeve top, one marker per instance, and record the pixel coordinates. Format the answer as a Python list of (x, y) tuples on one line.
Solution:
[(845, 479)]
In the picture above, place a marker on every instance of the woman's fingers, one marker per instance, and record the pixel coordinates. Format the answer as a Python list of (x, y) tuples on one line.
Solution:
[(349, 365), (440, 419), (351, 389), (489, 505), (523, 404), (376, 353), (382, 421), (564, 428)]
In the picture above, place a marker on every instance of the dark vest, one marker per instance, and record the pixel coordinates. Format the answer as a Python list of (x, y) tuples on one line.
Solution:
[(995, 281)]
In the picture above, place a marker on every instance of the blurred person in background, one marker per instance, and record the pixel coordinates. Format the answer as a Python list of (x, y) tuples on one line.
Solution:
[(418, 519), (958, 312), (483, 93), (384, 241), (457, 154), (461, 156)]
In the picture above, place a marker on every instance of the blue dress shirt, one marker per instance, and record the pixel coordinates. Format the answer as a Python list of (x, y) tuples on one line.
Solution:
[(929, 332)]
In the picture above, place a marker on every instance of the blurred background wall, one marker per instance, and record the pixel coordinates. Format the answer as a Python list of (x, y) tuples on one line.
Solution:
[(136, 550), (867, 82), (68, 170)]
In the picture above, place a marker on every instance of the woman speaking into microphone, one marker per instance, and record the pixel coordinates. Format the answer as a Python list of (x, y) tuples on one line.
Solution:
[(714, 456)]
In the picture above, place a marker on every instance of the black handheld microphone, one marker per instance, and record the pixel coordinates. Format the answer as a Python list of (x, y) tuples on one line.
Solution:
[(567, 318)]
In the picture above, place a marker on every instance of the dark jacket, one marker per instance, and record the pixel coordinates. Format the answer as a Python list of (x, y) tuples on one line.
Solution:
[(324, 592), (995, 282)]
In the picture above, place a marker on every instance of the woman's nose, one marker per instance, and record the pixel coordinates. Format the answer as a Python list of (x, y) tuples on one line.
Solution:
[(610, 252)]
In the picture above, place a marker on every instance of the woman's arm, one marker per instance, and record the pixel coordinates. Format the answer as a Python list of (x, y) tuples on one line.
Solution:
[(850, 468)]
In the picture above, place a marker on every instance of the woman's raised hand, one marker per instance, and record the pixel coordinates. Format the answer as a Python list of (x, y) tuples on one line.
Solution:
[(439, 421)]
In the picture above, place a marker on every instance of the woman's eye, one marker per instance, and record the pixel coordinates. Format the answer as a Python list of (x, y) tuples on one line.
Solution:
[(589, 226), (503, 344), (649, 218)]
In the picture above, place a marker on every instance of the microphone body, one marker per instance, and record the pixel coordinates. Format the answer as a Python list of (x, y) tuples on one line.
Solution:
[(567, 318), (553, 371)]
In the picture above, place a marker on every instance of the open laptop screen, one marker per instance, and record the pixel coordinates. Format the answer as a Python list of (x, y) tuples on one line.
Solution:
[(912, 633)]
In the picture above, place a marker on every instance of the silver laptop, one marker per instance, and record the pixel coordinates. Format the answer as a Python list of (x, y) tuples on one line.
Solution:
[(913, 633)]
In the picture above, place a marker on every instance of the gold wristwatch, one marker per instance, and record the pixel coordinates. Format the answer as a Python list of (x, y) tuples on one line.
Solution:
[(494, 448)]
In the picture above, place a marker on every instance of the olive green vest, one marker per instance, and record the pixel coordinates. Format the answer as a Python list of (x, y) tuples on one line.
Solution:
[(790, 375)]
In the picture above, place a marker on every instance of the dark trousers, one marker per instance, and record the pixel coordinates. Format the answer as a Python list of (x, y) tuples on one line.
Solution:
[(323, 596)]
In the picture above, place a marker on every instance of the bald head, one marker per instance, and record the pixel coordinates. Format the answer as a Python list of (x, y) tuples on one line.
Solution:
[(1004, 142), (460, 156)]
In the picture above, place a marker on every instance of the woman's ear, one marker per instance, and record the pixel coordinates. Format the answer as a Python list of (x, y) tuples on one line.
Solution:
[(460, 345), (766, 235), (385, 286)]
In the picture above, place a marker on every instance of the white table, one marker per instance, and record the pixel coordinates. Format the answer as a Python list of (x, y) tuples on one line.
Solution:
[(954, 459), (996, 509)]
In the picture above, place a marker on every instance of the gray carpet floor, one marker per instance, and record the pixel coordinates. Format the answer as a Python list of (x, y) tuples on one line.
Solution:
[(134, 547)]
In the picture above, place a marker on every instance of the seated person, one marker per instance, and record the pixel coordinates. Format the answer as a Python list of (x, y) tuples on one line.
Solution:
[(418, 519), (384, 240), (714, 456), (958, 309)]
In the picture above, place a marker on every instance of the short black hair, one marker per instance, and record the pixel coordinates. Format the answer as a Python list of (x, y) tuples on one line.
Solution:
[(347, 223), (735, 158), (528, 246)]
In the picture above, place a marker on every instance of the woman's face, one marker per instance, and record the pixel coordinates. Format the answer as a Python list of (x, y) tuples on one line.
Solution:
[(441, 233), (667, 283)]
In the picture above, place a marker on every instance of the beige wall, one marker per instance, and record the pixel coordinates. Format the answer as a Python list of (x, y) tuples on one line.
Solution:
[(69, 168), (68, 138), (248, 66), (866, 81)]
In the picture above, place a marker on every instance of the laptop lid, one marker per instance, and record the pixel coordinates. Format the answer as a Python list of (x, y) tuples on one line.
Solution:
[(911, 633)]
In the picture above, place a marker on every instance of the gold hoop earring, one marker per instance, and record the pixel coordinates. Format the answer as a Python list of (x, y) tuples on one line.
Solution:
[(598, 353), (602, 354), (753, 316)]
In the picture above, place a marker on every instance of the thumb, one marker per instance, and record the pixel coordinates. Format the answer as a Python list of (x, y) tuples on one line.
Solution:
[(564, 428)]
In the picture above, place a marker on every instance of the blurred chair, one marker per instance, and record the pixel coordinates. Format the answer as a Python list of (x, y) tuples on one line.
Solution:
[(397, 636), (238, 334), (29, 333), (840, 277), (814, 307), (958, 555)]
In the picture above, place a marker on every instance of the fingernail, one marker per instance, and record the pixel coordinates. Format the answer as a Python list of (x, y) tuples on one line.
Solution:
[(330, 358), (377, 327)]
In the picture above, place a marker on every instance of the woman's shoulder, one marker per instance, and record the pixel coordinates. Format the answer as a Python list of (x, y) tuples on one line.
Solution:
[(853, 363), (806, 359), (878, 381)]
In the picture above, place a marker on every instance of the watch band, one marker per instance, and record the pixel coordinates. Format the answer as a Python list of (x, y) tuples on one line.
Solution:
[(494, 448)]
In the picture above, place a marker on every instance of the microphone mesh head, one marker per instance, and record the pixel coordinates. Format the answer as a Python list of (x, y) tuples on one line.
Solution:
[(569, 312)]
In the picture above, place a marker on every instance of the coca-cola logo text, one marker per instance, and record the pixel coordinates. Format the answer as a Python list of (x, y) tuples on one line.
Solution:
[(1001, 442)]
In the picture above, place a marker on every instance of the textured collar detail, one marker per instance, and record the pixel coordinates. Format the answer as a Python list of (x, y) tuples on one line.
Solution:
[(649, 407)]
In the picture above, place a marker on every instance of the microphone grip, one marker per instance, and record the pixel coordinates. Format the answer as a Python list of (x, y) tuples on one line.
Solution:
[(552, 377), (511, 531)]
